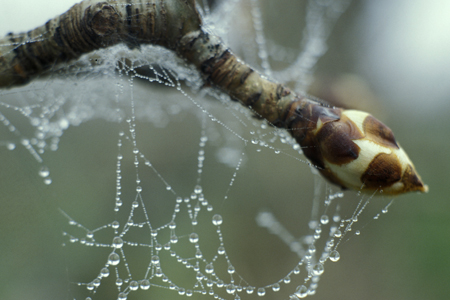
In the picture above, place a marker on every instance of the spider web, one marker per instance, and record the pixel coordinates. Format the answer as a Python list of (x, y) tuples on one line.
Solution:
[(186, 192)]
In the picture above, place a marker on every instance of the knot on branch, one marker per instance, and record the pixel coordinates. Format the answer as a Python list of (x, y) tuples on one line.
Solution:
[(103, 19)]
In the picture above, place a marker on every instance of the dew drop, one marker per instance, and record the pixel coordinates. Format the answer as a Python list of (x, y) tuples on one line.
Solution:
[(104, 272), (337, 233), (209, 268), (198, 189), (117, 242), (287, 280), (44, 171), (155, 259), (261, 292), (301, 292), (119, 282), (324, 219), (336, 218), (217, 220), (231, 289), (47, 181), (334, 256), (134, 285), (113, 259), (276, 287), (115, 224), (198, 254), (10, 146), (122, 296), (231, 270), (145, 284), (318, 269), (174, 239), (172, 225), (221, 250)]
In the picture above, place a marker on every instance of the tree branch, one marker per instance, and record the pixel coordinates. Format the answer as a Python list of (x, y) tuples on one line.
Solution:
[(350, 148)]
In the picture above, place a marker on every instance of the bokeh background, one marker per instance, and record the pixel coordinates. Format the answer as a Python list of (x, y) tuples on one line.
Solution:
[(396, 54)]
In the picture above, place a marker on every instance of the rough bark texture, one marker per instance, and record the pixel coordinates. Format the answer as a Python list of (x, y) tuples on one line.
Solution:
[(91, 25)]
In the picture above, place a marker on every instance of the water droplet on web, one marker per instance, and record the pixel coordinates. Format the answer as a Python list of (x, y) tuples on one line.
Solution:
[(10, 146), (261, 292), (231, 289), (324, 219), (276, 287), (138, 189), (336, 218), (119, 282), (301, 292), (155, 259), (209, 268), (198, 189), (117, 242), (115, 224), (47, 181), (135, 204), (193, 237), (231, 270), (221, 250), (334, 256), (318, 269), (337, 233), (145, 284), (172, 225), (217, 219), (134, 285), (287, 280), (174, 239), (114, 259), (104, 272), (122, 296), (89, 234), (357, 232), (181, 291)]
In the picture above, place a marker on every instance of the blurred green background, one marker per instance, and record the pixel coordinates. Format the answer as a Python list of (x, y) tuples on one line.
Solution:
[(396, 55)]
